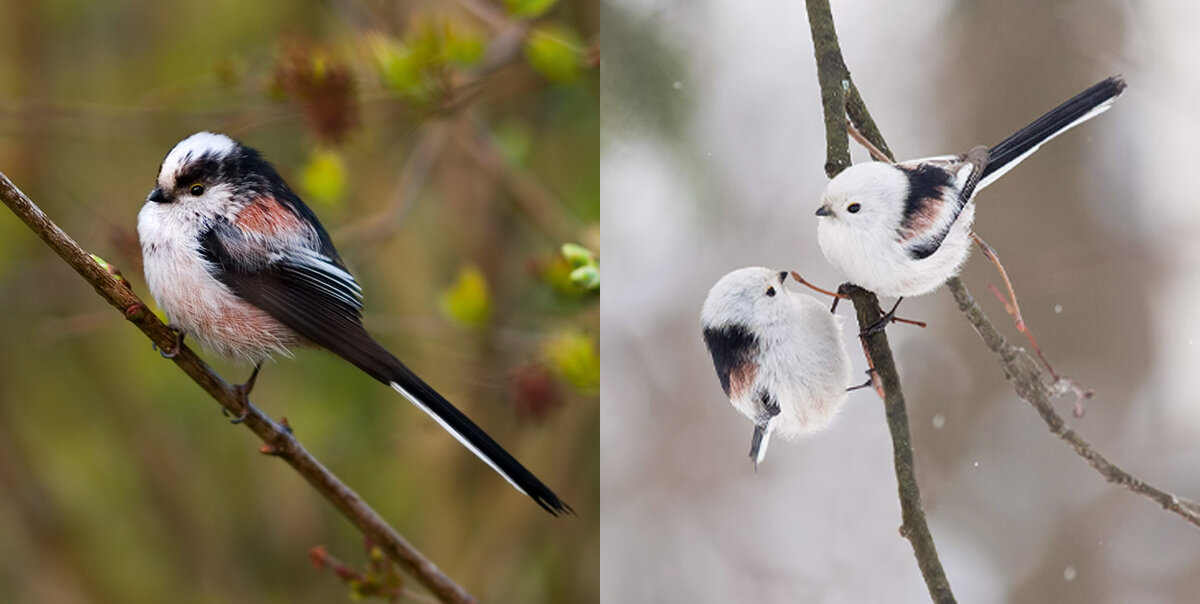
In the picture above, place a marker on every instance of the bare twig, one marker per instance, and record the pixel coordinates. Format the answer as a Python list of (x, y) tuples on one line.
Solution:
[(836, 90), (530, 196), (277, 437), (1027, 379), (368, 232), (1014, 309), (876, 153)]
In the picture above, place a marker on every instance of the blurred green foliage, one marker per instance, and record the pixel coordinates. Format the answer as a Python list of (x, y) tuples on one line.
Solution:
[(466, 302), (529, 8), (324, 177), (555, 52), (575, 355), (422, 138)]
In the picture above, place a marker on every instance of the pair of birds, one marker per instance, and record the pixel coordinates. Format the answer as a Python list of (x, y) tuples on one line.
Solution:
[(895, 229), (239, 262)]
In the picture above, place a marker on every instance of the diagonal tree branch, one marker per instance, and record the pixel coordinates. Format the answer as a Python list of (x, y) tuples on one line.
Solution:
[(836, 89), (277, 437), (1028, 379)]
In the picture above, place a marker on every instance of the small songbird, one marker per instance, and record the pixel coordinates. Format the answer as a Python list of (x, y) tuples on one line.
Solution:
[(904, 229), (779, 355), (240, 263)]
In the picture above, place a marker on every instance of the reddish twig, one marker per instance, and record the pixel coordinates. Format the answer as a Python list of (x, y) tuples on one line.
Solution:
[(1061, 383)]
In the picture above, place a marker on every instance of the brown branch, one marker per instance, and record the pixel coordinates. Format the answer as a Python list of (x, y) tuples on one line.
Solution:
[(837, 95), (913, 525), (277, 437), (1029, 383)]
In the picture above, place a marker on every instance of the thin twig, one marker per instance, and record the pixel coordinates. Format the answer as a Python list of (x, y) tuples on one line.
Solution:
[(1014, 309), (528, 193), (369, 232), (836, 90), (1027, 379), (876, 153), (277, 437)]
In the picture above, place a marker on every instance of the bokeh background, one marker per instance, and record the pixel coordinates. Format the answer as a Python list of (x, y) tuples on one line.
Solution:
[(451, 148), (712, 153)]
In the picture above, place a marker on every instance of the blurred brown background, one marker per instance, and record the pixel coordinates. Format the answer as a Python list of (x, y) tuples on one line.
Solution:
[(451, 148), (712, 160)]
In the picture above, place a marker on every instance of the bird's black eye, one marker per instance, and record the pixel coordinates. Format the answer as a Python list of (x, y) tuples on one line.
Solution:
[(197, 190), (771, 291), (854, 207)]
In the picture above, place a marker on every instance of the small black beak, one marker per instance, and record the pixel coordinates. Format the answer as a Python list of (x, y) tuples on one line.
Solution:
[(157, 196), (783, 275), (824, 210)]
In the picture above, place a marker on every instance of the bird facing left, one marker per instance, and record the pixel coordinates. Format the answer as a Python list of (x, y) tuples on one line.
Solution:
[(238, 262), (779, 355)]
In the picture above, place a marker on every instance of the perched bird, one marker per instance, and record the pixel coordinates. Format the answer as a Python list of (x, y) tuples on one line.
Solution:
[(240, 263), (779, 355), (904, 229)]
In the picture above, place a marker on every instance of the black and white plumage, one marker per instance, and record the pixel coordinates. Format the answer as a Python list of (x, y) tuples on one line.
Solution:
[(239, 262), (779, 355), (904, 229)]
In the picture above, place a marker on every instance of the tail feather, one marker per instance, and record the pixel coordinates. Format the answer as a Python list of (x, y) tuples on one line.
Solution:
[(380, 364), (1078, 109), (759, 442)]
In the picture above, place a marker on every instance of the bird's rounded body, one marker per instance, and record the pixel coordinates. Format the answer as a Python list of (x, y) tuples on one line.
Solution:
[(779, 355), (904, 229), (239, 263), (182, 282), (886, 264)]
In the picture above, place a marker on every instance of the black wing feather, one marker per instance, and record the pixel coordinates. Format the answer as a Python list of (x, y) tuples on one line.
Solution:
[(301, 297), (1053, 122), (731, 346)]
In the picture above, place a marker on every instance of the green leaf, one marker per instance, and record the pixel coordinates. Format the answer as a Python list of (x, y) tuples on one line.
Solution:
[(528, 8), (577, 255), (461, 46), (573, 355), (467, 302), (555, 52), (324, 177), (403, 67), (586, 277)]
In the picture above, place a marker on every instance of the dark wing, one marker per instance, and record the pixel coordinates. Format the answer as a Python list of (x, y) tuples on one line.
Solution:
[(304, 289), (313, 294), (1072, 112), (733, 349), (938, 190)]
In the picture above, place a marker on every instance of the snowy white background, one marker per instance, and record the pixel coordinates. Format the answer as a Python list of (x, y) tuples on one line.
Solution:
[(712, 160)]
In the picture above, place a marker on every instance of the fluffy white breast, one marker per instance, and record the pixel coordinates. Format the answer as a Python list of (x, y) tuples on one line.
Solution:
[(805, 364), (182, 283), (866, 247)]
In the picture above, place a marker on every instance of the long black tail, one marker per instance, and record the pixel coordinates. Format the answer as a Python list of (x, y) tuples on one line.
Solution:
[(381, 365), (1078, 109)]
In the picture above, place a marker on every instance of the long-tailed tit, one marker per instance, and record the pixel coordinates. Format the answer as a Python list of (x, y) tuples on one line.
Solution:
[(239, 262), (779, 354), (904, 229)]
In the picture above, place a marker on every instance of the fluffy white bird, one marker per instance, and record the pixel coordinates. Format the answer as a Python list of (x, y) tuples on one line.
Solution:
[(779, 355), (904, 229)]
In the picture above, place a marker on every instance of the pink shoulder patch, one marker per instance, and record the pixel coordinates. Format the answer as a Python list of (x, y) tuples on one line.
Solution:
[(922, 221), (267, 216)]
